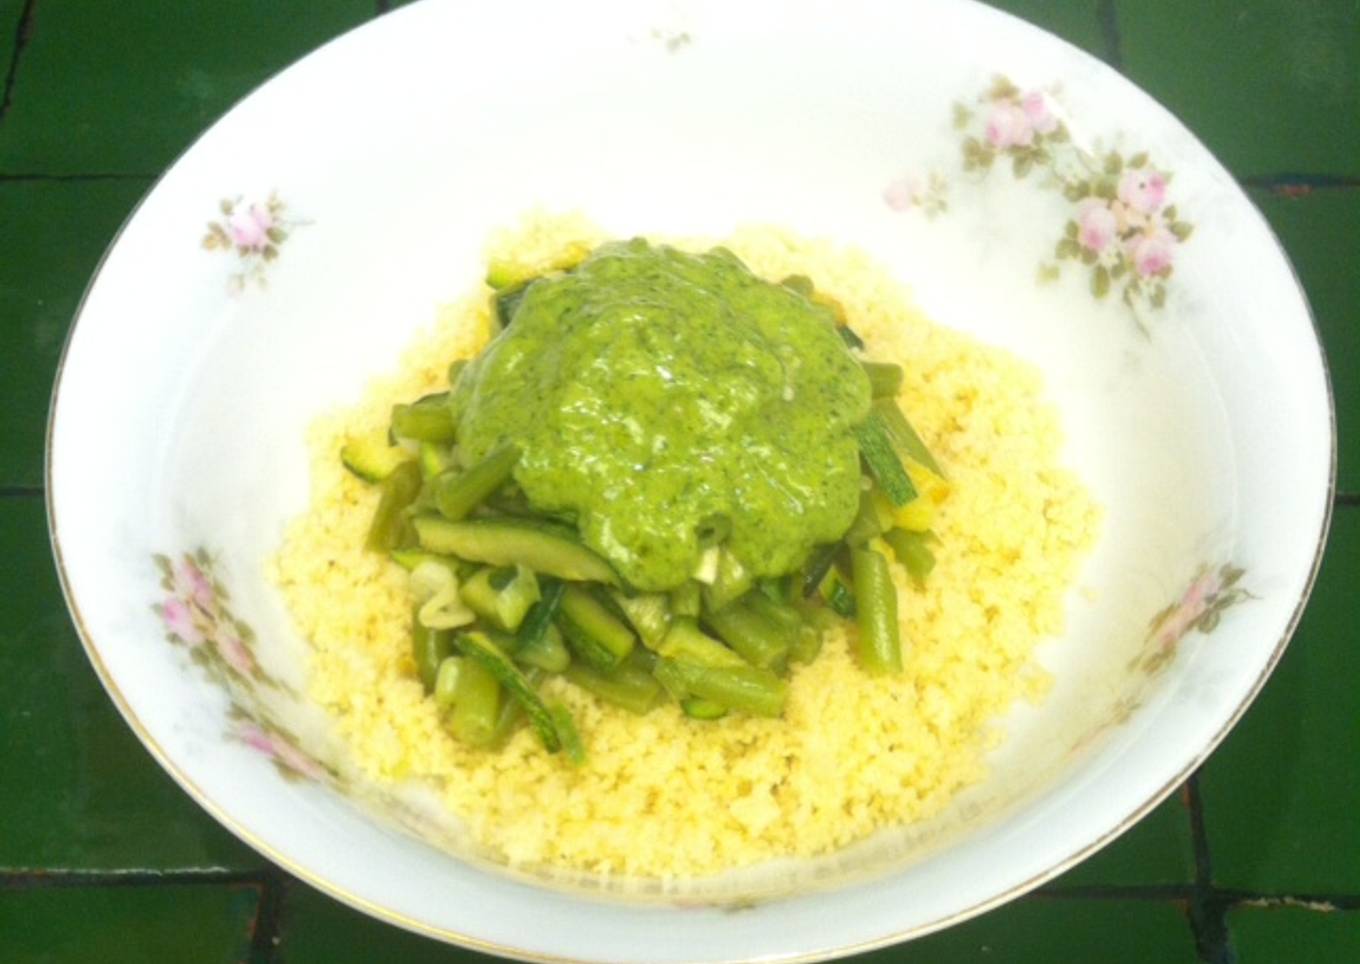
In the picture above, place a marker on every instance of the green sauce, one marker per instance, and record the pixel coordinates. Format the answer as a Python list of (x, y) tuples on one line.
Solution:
[(659, 396)]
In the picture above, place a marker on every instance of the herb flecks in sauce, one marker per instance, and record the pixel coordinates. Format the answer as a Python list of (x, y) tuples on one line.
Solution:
[(654, 393)]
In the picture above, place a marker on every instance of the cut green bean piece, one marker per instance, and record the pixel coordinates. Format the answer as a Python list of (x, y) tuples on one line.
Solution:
[(628, 686), (912, 550), (699, 708), (686, 599), (746, 689), (429, 647), (476, 704), (649, 614), (479, 647), (399, 490), (458, 493), (547, 549), (881, 458), (755, 639), (572, 746), (446, 682), (885, 378), (592, 630), (685, 642), (903, 437), (434, 459), (502, 595), (807, 645), (512, 711), (666, 673), (777, 613), (880, 646), (426, 420), (866, 525)]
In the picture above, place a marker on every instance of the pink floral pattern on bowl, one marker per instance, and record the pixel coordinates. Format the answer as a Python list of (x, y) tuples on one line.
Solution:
[(1122, 229), (255, 231), (196, 615)]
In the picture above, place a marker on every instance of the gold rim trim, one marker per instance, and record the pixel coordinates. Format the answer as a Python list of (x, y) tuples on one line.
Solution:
[(388, 915)]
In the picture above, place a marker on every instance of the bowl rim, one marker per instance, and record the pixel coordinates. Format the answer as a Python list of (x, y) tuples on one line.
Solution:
[(389, 915)]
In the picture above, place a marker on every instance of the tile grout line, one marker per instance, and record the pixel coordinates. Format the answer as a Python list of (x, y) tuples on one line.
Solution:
[(21, 491), (21, 34), (1296, 184), (1348, 498), (381, 7), (1108, 17), (265, 930), (1206, 909)]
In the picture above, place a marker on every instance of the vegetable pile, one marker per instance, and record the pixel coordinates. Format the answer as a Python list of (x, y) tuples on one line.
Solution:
[(508, 594)]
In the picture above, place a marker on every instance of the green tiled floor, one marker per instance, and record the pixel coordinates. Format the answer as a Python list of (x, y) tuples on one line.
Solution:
[(1273, 86), (1281, 795), (64, 228), (90, 798), (1293, 935), (195, 58), (199, 923), (1269, 85)]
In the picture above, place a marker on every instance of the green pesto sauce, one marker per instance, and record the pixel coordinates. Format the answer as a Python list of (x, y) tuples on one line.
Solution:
[(655, 394)]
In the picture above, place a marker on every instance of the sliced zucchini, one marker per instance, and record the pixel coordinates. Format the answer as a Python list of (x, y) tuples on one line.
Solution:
[(545, 548), (879, 455), (371, 458)]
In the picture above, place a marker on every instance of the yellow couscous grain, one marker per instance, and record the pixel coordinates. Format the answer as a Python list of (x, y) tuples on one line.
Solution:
[(664, 795)]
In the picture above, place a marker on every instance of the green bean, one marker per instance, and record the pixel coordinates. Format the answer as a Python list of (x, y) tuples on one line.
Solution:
[(667, 673), (512, 710), (430, 647), (913, 552), (627, 686), (592, 630), (880, 646), (685, 599), (837, 594), (649, 614), (776, 612), (566, 729), (885, 378), (866, 524), (701, 709), (446, 682), (686, 643), (458, 493), (434, 459), (807, 645), (476, 704), (399, 490), (756, 639), (426, 420), (747, 689)]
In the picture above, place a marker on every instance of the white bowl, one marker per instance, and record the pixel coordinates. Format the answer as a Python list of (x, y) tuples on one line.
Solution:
[(1203, 424)]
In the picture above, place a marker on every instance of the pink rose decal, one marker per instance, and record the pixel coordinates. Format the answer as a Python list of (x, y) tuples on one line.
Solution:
[(1037, 112), (250, 228), (1009, 126), (1096, 225), (179, 621), (236, 655), (902, 194), (1152, 252), (1143, 190), (279, 749), (191, 583)]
